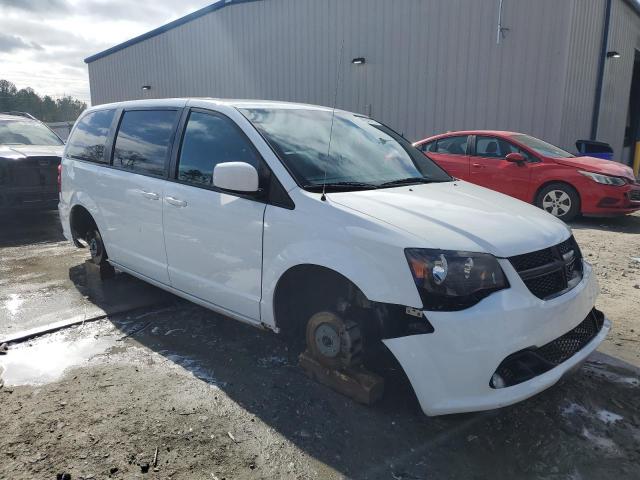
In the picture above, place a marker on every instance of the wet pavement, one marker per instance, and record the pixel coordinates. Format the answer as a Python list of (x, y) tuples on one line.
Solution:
[(43, 279)]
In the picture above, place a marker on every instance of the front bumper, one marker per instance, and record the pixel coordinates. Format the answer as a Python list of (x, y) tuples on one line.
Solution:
[(611, 200), (450, 369)]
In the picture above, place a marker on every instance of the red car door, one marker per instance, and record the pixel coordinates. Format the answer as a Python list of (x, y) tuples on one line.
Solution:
[(489, 167), (451, 154)]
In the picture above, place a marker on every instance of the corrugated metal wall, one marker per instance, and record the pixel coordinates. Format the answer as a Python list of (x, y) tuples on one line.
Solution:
[(624, 37), (431, 65), (583, 57)]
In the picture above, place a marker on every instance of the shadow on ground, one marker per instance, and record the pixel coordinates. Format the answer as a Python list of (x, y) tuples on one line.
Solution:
[(557, 434), (28, 227), (622, 224)]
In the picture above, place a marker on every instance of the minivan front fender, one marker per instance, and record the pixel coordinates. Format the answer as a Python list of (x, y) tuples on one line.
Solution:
[(375, 265)]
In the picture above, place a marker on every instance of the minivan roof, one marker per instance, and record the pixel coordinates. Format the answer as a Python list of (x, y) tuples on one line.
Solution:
[(237, 103)]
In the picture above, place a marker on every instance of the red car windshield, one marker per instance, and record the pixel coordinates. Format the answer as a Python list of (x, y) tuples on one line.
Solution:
[(543, 148)]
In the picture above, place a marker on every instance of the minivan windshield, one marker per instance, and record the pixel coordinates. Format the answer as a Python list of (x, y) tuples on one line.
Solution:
[(541, 147), (26, 132), (363, 154)]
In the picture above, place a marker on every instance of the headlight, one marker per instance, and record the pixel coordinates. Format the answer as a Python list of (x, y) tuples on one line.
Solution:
[(451, 280), (604, 179)]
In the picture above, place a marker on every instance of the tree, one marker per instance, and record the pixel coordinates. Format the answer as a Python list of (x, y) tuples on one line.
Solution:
[(65, 109)]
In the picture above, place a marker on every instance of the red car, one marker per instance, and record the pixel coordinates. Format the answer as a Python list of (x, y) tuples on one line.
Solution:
[(529, 169)]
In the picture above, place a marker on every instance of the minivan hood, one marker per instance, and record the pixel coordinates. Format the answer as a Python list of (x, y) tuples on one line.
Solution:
[(598, 165), (24, 151), (459, 216)]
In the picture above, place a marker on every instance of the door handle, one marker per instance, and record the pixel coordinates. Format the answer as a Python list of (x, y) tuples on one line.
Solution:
[(478, 165), (150, 195), (175, 202)]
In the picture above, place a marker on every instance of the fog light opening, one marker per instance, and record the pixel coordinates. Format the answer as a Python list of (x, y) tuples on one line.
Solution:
[(497, 381)]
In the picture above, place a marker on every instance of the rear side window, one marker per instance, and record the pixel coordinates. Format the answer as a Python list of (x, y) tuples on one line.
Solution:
[(428, 147), (209, 140), (90, 135), (143, 141), (451, 145)]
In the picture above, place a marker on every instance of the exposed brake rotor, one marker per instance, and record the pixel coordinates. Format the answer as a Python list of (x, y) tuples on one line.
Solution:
[(334, 342)]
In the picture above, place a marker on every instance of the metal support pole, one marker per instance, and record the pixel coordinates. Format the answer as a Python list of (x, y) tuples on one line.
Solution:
[(603, 59), (499, 32)]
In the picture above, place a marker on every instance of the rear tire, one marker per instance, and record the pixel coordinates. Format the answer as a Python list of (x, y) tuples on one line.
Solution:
[(560, 200), (96, 247)]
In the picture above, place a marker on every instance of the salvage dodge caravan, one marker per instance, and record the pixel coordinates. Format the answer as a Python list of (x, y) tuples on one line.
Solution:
[(331, 227)]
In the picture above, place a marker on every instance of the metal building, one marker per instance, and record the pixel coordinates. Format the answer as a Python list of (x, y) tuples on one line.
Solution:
[(561, 70)]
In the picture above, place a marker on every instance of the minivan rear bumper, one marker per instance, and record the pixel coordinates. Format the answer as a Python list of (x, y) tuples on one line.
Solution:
[(451, 369), (63, 213)]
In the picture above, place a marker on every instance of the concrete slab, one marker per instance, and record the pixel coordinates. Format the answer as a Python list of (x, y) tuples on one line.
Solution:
[(44, 283)]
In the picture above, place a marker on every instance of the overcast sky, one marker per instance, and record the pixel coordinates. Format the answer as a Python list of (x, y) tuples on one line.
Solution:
[(43, 43)]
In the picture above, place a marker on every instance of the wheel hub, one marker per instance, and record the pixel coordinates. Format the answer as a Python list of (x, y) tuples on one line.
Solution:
[(335, 343), (327, 340), (93, 247), (557, 203)]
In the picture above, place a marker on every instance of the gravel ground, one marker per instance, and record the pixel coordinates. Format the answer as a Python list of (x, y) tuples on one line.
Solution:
[(219, 399), (612, 245)]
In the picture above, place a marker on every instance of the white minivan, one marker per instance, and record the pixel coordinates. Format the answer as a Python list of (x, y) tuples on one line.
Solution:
[(330, 226)]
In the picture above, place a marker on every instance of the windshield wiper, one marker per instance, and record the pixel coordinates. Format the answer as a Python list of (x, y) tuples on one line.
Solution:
[(406, 181), (341, 186)]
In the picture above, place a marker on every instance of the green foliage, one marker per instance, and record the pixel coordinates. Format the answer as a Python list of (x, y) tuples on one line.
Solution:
[(65, 109)]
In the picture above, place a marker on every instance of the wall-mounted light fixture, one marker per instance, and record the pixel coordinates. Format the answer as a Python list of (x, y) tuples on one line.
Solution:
[(146, 87), (613, 54), (359, 61)]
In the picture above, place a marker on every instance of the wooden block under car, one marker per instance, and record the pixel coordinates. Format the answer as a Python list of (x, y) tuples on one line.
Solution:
[(357, 383)]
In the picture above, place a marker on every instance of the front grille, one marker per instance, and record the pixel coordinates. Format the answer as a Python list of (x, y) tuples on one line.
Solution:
[(532, 260), (566, 346), (634, 195), (552, 271), (33, 171), (527, 364)]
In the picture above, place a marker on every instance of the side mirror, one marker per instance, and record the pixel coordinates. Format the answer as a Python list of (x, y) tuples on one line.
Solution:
[(516, 158), (236, 177)]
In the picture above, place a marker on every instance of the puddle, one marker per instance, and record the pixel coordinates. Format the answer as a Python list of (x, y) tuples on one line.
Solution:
[(45, 359)]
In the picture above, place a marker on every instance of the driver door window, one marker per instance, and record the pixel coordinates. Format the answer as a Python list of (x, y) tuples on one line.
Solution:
[(493, 147), (209, 140), (490, 169)]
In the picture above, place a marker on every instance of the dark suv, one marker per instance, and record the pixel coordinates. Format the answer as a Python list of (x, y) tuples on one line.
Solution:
[(30, 154)]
